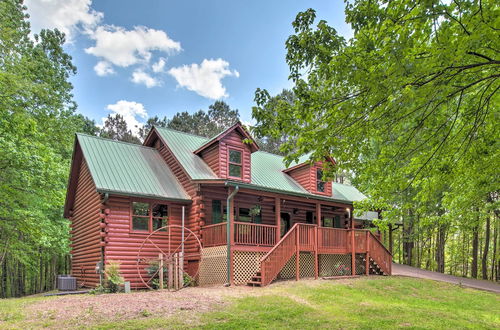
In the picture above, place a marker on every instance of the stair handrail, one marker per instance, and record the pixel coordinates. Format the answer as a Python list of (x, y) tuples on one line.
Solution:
[(380, 242), (294, 227)]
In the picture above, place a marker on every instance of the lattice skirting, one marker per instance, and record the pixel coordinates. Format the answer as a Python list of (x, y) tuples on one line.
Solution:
[(360, 264), (213, 265), (339, 264), (246, 264), (306, 266)]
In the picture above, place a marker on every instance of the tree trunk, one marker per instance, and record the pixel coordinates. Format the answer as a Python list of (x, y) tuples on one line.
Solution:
[(475, 243), (440, 247), (486, 248)]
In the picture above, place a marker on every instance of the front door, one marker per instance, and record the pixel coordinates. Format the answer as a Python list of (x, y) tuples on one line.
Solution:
[(285, 223)]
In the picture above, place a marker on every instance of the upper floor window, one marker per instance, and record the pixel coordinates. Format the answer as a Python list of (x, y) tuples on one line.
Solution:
[(235, 163), (320, 184), (148, 217)]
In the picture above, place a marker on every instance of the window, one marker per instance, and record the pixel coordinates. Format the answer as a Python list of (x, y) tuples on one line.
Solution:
[(216, 211), (327, 222), (337, 223), (149, 217), (247, 214), (309, 217), (160, 216), (140, 216), (320, 184), (235, 163)]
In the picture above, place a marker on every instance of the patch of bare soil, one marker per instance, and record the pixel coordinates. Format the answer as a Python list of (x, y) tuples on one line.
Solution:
[(89, 309)]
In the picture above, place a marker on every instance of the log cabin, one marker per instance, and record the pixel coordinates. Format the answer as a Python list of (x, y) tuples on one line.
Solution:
[(126, 201)]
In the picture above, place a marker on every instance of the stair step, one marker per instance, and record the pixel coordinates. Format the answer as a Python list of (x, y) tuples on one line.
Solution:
[(254, 283)]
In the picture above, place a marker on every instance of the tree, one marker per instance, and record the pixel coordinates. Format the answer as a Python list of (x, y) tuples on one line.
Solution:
[(219, 117), (37, 125), (115, 128), (154, 121), (222, 116), (410, 104), (269, 143)]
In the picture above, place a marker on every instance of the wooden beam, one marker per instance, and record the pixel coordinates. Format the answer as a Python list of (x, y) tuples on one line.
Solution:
[(353, 245), (277, 217), (230, 216), (367, 261), (297, 254)]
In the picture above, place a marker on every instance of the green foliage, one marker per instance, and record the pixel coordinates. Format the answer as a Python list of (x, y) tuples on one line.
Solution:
[(115, 128), (410, 105), (114, 279), (37, 125)]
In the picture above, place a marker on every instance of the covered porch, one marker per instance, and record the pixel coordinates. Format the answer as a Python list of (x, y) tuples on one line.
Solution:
[(287, 228)]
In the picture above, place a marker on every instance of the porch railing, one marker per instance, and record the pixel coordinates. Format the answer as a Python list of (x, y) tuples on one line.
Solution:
[(214, 235), (254, 234), (244, 234), (333, 240)]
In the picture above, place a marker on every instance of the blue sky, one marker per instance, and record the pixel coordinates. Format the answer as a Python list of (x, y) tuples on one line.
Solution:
[(146, 58)]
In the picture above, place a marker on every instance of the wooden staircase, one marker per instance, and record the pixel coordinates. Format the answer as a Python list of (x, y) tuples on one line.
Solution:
[(304, 237)]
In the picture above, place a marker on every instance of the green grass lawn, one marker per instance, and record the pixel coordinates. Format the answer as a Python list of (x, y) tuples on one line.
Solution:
[(382, 302)]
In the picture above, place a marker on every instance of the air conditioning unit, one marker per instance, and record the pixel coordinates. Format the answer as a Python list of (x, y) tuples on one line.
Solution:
[(66, 283)]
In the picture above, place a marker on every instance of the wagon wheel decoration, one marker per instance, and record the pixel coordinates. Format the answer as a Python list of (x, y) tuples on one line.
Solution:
[(155, 260)]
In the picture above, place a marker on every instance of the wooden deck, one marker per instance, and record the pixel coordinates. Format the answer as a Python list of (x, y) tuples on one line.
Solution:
[(300, 238)]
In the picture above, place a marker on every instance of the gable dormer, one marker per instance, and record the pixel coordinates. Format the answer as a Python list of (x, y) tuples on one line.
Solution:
[(229, 153), (310, 177)]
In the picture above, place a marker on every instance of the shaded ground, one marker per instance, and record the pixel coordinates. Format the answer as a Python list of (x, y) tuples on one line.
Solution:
[(403, 270), (374, 302)]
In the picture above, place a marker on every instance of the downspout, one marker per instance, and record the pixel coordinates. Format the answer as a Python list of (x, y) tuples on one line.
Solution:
[(228, 231)]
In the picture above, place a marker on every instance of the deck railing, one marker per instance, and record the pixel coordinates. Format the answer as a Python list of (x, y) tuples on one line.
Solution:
[(244, 234), (332, 240), (254, 234), (214, 235)]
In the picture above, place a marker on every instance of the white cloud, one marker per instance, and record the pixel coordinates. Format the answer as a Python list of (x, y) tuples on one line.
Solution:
[(103, 68), (66, 15), (130, 111), (204, 79), (141, 77), (128, 47), (159, 66)]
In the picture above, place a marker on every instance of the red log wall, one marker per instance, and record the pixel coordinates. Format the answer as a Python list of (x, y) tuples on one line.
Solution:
[(234, 139), (86, 235)]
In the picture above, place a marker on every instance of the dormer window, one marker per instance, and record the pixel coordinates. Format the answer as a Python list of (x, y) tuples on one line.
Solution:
[(320, 184), (235, 163)]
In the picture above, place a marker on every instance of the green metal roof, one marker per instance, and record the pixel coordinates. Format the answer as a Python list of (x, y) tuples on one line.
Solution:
[(267, 168), (183, 145), (129, 169), (347, 192)]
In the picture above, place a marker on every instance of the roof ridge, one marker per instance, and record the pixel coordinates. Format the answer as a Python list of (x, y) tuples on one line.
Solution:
[(270, 153), (111, 140), (181, 132)]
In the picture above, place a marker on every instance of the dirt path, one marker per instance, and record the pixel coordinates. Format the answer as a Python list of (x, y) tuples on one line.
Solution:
[(403, 270)]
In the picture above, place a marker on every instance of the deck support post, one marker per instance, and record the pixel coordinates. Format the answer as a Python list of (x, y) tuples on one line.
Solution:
[(318, 223), (297, 254), (367, 261), (316, 263), (230, 234), (353, 246), (160, 269), (277, 216)]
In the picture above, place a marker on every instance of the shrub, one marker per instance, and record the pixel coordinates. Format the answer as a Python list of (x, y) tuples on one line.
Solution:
[(114, 278)]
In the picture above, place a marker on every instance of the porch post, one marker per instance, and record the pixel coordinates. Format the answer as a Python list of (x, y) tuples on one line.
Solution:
[(353, 246), (297, 254), (367, 261), (277, 217), (316, 239)]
